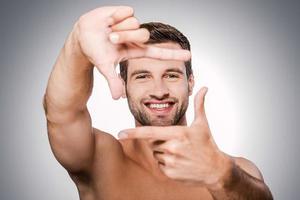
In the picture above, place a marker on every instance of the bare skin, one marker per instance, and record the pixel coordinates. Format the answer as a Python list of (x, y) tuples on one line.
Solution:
[(147, 162)]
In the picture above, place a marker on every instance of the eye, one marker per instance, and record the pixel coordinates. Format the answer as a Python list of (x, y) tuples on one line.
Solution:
[(172, 76), (142, 76)]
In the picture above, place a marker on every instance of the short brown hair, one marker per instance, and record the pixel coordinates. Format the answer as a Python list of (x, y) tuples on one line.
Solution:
[(160, 33)]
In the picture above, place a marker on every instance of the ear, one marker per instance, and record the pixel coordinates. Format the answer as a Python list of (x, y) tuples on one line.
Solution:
[(191, 84), (124, 92), (123, 87)]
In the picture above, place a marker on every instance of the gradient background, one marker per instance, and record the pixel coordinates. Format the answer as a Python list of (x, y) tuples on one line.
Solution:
[(246, 52)]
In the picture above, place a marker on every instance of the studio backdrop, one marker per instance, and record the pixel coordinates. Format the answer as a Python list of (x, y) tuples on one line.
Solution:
[(246, 52)]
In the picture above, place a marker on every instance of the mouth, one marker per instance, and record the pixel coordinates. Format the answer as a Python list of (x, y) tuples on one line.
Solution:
[(160, 107)]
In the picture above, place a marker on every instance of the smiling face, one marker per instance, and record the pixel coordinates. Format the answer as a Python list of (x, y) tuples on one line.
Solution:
[(158, 90)]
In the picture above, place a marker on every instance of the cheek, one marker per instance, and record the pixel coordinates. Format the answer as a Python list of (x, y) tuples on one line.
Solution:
[(180, 90), (135, 92), (139, 90)]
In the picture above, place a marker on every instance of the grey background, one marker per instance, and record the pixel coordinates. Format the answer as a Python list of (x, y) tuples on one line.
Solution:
[(253, 45)]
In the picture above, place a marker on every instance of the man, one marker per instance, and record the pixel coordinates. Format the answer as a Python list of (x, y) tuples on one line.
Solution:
[(162, 158)]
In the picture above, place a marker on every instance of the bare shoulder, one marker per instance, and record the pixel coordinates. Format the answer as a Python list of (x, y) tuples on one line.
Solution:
[(108, 154), (249, 167), (106, 144)]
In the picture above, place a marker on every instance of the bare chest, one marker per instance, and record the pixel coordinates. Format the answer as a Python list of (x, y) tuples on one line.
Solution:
[(137, 184)]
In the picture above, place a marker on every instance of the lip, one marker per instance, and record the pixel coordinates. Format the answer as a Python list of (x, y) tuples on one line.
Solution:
[(160, 111)]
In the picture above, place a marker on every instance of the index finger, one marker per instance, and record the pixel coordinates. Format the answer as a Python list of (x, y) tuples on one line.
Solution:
[(167, 54), (150, 132), (142, 50)]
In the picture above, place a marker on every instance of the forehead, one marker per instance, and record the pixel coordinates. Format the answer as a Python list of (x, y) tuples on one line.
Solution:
[(155, 65)]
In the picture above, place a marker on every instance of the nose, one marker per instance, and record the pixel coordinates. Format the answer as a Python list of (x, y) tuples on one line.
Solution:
[(159, 90)]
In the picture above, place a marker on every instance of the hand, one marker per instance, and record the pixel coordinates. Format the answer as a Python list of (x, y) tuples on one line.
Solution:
[(187, 154), (108, 35)]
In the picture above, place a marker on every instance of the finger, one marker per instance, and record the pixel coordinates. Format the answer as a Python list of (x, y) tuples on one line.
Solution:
[(199, 103), (121, 13), (155, 143), (114, 81), (158, 53), (167, 54), (169, 160), (130, 23), (152, 132), (136, 36), (168, 147), (172, 147), (158, 148), (159, 157), (166, 159)]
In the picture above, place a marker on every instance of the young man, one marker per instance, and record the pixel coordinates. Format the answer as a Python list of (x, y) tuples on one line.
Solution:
[(162, 158)]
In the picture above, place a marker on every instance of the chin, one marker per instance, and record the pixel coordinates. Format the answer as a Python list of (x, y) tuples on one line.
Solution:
[(161, 122), (146, 119)]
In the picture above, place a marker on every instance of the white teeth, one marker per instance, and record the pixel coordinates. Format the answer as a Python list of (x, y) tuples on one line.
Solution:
[(156, 105)]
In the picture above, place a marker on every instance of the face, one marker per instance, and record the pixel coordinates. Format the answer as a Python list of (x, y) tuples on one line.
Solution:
[(158, 90)]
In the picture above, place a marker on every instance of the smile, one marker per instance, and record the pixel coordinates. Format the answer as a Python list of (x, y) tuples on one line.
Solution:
[(157, 105), (160, 108)]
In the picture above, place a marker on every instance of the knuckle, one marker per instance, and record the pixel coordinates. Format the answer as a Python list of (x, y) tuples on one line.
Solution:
[(78, 31), (82, 21), (205, 137), (171, 161), (169, 173), (131, 10), (109, 21), (173, 149), (134, 22), (182, 134)]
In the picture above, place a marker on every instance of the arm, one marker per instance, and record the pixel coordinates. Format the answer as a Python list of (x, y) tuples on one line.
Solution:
[(243, 180), (101, 38), (190, 155), (68, 120)]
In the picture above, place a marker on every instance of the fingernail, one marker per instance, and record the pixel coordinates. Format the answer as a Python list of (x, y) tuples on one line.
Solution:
[(114, 38), (122, 135)]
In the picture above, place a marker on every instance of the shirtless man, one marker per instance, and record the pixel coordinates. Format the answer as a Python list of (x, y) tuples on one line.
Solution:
[(162, 158)]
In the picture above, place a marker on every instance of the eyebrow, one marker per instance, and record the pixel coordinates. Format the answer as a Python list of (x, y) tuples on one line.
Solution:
[(175, 70), (143, 71)]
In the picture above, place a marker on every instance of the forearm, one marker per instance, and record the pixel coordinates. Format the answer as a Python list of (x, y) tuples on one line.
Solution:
[(71, 80), (238, 184)]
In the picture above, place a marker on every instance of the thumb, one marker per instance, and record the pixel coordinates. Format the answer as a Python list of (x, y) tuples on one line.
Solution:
[(114, 81), (199, 103)]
